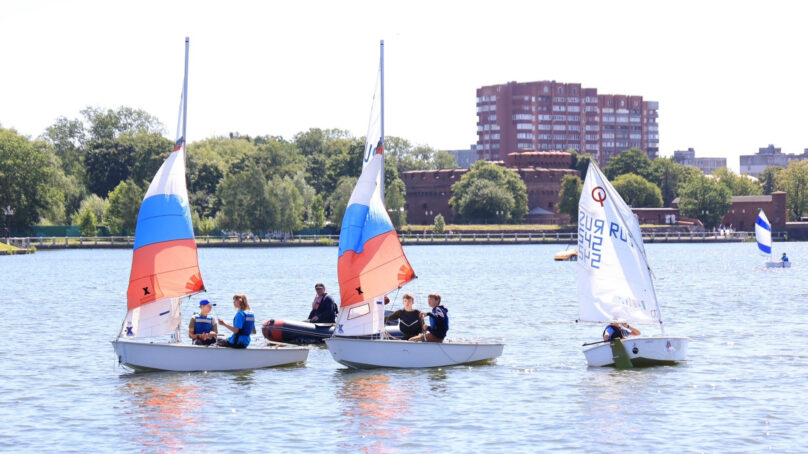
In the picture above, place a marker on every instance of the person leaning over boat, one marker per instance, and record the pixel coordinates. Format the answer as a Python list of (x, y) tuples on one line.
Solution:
[(619, 330), (202, 328), (243, 324), (323, 308), (409, 319), (438, 325)]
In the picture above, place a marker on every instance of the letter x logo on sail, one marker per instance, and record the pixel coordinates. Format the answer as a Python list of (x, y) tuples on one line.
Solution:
[(359, 290), (145, 291)]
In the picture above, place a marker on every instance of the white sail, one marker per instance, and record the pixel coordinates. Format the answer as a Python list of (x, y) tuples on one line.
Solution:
[(361, 319), (763, 234), (152, 320), (614, 280)]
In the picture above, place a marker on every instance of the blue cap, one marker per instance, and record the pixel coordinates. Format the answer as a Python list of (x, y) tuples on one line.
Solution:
[(205, 303)]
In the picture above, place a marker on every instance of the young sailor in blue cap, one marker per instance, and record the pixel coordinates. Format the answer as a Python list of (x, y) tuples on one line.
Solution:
[(203, 328)]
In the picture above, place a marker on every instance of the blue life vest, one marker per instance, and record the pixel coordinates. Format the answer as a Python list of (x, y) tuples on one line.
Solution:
[(616, 333), (202, 324), (242, 337)]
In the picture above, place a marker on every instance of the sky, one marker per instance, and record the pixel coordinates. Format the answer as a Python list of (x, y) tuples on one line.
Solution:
[(729, 77)]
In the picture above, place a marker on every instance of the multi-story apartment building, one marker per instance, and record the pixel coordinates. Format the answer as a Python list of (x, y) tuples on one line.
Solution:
[(554, 116), (754, 164), (706, 165)]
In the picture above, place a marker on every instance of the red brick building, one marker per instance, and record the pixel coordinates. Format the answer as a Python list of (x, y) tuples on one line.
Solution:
[(549, 115), (744, 211), (429, 191)]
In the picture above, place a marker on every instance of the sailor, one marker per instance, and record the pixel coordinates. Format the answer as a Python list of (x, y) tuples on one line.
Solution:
[(202, 328), (243, 324), (323, 308), (438, 325), (784, 258), (409, 319), (619, 330)]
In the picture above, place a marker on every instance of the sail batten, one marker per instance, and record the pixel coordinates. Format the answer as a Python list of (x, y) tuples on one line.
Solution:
[(614, 278)]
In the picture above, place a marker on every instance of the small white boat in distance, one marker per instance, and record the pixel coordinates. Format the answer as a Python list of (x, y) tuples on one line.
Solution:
[(369, 354), (165, 269), (371, 263), (143, 356), (763, 235), (615, 282)]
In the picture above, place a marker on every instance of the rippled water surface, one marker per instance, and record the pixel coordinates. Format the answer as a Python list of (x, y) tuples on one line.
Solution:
[(743, 388)]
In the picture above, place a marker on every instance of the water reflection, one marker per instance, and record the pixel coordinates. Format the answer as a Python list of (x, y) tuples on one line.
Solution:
[(163, 413), (373, 409)]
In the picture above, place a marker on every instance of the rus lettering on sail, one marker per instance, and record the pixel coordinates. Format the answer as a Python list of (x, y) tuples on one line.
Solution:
[(590, 239)]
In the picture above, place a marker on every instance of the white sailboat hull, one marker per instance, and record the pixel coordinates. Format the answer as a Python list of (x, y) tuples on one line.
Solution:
[(188, 358), (642, 351), (778, 264), (369, 354)]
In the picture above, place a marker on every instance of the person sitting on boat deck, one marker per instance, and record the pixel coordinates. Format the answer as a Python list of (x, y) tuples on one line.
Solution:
[(438, 325), (323, 308), (784, 258), (619, 330), (409, 319), (243, 324), (203, 328)]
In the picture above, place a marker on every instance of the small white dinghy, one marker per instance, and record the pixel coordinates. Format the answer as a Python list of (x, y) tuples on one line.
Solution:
[(165, 269), (615, 281), (763, 235), (372, 263)]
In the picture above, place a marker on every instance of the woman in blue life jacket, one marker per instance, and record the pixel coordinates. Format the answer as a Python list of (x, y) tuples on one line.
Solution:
[(203, 329), (243, 324), (438, 325), (409, 319), (619, 330)]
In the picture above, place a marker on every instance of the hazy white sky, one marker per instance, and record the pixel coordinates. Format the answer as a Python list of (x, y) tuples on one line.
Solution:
[(729, 76)]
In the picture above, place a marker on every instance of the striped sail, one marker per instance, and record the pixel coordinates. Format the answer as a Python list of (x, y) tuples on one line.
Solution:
[(763, 234), (371, 260), (164, 261)]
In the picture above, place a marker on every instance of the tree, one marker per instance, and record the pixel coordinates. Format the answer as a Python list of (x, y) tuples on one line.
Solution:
[(637, 191), (108, 162), (738, 185), (94, 203), (394, 200), (289, 203), (580, 162), (122, 211), (670, 176), (68, 137), (630, 161), (87, 222), (445, 160), (27, 179), (569, 196), (794, 181), (338, 200), (489, 191), (769, 179), (246, 202), (705, 199), (439, 225), (317, 216), (109, 124)]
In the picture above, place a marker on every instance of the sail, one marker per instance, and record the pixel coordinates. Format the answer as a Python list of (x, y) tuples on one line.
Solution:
[(371, 260), (763, 234), (164, 260), (614, 280)]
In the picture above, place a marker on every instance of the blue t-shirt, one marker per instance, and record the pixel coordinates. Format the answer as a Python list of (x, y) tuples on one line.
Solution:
[(238, 322)]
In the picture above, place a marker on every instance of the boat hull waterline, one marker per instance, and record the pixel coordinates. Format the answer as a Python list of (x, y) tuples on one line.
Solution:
[(371, 354), (778, 264), (642, 351), (191, 358)]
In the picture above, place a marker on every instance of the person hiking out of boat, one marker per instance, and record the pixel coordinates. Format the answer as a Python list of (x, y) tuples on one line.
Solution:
[(203, 328), (243, 324), (619, 330), (323, 308), (784, 258), (409, 319), (438, 325)]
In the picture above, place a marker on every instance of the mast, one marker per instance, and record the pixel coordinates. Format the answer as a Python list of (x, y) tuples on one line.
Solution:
[(185, 97), (381, 75)]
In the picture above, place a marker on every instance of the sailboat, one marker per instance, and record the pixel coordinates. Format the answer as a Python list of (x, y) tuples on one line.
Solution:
[(763, 235), (371, 264), (615, 282), (165, 271)]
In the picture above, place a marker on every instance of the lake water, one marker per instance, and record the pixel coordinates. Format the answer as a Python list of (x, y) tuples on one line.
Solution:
[(741, 390)]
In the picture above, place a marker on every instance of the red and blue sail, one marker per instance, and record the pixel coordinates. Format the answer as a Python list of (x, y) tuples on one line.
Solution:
[(164, 261)]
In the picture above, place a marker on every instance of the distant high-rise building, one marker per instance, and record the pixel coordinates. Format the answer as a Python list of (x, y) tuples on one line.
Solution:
[(754, 164), (706, 165), (464, 158), (554, 116)]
